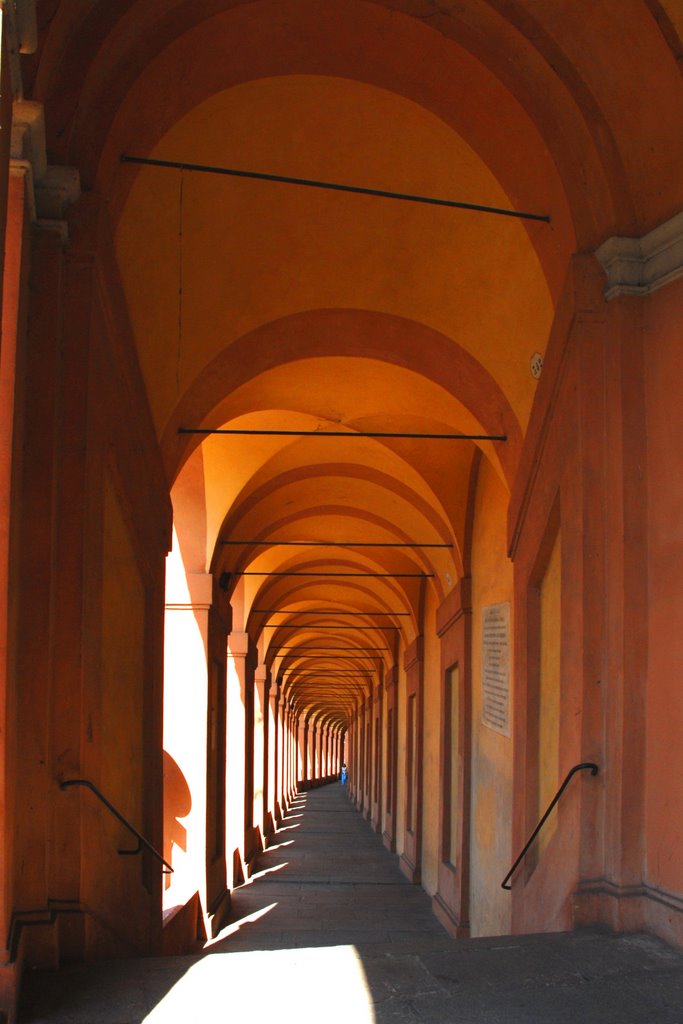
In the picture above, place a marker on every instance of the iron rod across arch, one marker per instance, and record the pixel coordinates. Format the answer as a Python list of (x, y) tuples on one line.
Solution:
[(334, 544), (317, 625), (326, 611), (341, 433), (333, 186), (351, 575), (295, 647), (339, 657)]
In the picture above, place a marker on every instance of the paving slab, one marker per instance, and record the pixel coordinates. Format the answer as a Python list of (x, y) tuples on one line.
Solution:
[(328, 929)]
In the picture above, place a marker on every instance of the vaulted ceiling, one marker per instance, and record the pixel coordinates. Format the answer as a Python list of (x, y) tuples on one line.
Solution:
[(263, 306)]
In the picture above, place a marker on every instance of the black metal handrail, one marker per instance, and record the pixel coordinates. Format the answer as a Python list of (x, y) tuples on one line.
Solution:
[(131, 828), (584, 766)]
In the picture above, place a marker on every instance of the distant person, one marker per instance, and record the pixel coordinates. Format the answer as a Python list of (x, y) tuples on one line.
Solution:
[(344, 775)]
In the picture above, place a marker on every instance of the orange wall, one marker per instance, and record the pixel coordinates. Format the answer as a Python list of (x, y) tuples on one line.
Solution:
[(549, 688), (431, 787), (491, 807), (117, 727), (93, 509), (664, 788), (401, 758)]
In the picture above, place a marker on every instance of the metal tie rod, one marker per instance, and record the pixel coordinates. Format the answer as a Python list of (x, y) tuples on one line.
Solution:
[(316, 625), (314, 658), (352, 575), (295, 647), (328, 675), (325, 611), (244, 432), (333, 186), (334, 544)]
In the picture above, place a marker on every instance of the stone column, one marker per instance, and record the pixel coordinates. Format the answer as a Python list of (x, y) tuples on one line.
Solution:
[(283, 758), (411, 858), (260, 740), (314, 750), (238, 650), (272, 768), (302, 774)]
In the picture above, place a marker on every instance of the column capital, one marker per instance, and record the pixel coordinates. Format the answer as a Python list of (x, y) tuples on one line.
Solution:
[(238, 645), (639, 266), (198, 596), (50, 189)]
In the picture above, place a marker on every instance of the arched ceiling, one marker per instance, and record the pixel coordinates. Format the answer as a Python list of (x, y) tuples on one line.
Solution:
[(262, 306)]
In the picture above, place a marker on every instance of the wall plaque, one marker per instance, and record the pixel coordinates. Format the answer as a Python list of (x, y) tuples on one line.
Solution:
[(495, 667)]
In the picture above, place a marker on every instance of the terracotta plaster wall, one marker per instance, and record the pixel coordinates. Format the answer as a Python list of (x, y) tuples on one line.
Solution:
[(92, 490), (126, 535), (549, 687), (115, 724), (664, 766), (431, 784), (582, 474), (491, 801), (31, 578), (13, 323), (401, 752)]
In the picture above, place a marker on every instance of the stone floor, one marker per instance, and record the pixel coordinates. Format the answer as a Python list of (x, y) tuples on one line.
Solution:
[(328, 930)]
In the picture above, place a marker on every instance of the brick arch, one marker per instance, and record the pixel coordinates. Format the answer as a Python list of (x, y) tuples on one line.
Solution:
[(356, 334), (563, 70)]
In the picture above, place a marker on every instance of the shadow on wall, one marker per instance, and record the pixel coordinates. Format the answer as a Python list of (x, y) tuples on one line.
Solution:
[(323, 888), (177, 804)]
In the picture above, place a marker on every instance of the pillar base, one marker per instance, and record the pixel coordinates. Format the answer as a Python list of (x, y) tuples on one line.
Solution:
[(410, 870), (629, 908), (443, 913)]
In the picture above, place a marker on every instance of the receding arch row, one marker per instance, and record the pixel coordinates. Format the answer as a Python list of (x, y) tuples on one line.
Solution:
[(481, 405), (313, 487), (348, 593)]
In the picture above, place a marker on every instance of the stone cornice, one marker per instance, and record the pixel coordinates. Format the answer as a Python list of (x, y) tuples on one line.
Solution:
[(50, 190), (20, 31), (238, 645), (639, 266), (198, 596)]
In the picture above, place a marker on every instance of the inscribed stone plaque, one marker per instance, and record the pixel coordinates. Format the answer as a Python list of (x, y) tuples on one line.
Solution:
[(495, 667)]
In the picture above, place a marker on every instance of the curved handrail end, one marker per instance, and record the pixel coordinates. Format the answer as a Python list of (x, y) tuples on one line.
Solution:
[(583, 766), (87, 784)]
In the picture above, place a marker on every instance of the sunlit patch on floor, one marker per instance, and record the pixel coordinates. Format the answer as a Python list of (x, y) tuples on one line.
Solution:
[(303, 985)]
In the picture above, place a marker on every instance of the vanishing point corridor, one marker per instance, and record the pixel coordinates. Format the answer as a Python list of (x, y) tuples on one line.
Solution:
[(329, 930), (340, 426)]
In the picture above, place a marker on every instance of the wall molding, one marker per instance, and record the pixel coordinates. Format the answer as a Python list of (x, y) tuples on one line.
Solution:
[(628, 908), (604, 887), (639, 266)]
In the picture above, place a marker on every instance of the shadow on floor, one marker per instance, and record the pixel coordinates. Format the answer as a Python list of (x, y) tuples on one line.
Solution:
[(327, 928)]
